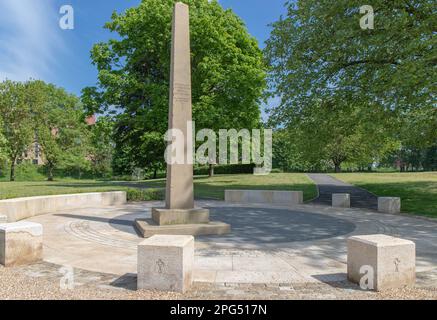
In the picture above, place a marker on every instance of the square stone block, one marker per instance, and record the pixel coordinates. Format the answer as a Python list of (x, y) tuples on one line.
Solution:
[(392, 261), (21, 243), (389, 205), (166, 263), (341, 200)]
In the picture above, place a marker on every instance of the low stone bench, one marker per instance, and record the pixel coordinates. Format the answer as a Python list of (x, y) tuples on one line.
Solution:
[(166, 263), (20, 243), (389, 205), (392, 261), (260, 171), (341, 200), (264, 196), (22, 208)]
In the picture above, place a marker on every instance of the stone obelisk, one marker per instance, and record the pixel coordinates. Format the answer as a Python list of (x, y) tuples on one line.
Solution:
[(179, 191), (180, 216)]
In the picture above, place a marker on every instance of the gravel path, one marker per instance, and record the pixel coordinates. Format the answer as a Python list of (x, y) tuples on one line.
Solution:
[(328, 185), (41, 282)]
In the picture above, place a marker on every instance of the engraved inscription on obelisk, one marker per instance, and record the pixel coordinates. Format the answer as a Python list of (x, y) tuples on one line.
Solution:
[(179, 193)]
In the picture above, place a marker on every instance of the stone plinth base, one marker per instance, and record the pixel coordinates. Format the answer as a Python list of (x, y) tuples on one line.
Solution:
[(3, 219), (165, 217), (387, 262), (389, 205), (341, 200), (148, 228), (20, 243), (166, 263)]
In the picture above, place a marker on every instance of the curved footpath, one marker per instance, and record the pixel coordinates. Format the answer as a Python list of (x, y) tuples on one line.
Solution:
[(328, 185)]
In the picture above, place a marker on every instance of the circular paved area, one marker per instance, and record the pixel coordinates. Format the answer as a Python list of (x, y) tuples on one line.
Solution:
[(257, 226), (303, 244)]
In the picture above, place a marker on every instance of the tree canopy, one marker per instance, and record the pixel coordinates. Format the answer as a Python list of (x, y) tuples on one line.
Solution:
[(36, 112), (319, 55), (20, 103), (61, 130)]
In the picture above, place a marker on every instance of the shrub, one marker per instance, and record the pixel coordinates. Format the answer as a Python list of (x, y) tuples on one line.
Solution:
[(145, 194), (226, 169), (27, 171)]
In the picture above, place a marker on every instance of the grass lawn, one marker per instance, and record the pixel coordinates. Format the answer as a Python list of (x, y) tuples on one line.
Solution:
[(205, 188), (214, 187), (19, 189), (418, 191)]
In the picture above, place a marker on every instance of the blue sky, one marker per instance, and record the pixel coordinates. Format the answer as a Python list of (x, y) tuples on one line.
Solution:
[(32, 45)]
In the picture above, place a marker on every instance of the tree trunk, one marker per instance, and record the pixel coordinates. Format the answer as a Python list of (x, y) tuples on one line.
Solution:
[(50, 173), (337, 167), (12, 178), (211, 171), (155, 174)]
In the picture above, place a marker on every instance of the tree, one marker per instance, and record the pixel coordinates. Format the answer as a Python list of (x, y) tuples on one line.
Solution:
[(319, 52), (228, 73), (102, 146), (320, 48), (62, 131), (152, 148), (3, 143), (3, 150), (417, 135), (19, 106), (286, 155), (337, 132), (430, 160)]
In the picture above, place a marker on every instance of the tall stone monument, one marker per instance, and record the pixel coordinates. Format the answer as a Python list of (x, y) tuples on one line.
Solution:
[(180, 215), (179, 191)]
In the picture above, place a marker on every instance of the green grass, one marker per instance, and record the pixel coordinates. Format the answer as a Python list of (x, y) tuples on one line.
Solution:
[(9, 190), (204, 188), (214, 187), (418, 191)]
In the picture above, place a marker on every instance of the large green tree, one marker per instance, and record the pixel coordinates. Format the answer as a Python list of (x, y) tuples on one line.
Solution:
[(319, 47), (20, 105), (318, 52), (62, 131), (228, 74), (342, 133), (102, 146)]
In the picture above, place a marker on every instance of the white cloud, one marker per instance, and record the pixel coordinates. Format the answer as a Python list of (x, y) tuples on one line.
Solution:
[(29, 39)]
